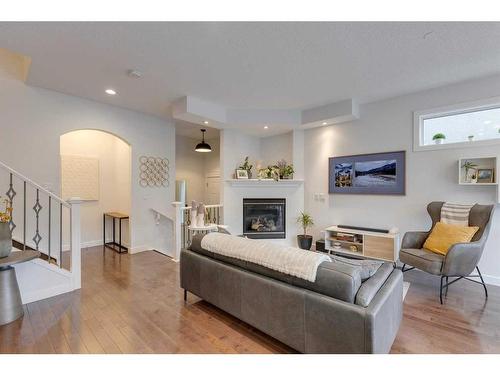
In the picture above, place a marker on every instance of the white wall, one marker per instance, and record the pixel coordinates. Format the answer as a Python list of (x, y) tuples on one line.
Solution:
[(33, 119), (430, 175), (114, 181), (190, 167), (194, 167), (275, 148), (235, 146)]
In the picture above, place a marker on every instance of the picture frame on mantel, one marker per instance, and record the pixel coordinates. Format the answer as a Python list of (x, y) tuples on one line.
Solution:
[(382, 173)]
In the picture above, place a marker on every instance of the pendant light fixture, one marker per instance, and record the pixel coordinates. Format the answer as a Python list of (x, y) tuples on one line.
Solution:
[(203, 147)]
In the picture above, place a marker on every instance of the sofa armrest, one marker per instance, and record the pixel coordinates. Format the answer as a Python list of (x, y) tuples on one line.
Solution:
[(414, 240), (462, 258), (384, 315)]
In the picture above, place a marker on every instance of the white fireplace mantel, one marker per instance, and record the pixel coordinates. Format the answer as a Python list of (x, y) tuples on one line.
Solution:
[(243, 182)]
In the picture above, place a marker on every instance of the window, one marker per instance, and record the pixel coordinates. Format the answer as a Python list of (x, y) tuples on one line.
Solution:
[(464, 125)]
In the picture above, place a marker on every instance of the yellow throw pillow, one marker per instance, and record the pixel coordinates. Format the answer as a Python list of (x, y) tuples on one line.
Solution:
[(443, 236)]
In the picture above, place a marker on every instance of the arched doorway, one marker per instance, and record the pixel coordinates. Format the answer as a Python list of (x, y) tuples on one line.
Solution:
[(96, 166)]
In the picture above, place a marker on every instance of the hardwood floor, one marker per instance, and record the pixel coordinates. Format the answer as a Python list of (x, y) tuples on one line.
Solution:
[(133, 304)]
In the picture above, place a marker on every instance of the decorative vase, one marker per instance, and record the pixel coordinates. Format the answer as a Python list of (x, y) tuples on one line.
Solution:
[(438, 141), (305, 242), (200, 221), (5, 240), (194, 213)]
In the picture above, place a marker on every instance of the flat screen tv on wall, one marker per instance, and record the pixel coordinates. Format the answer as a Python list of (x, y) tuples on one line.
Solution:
[(381, 173)]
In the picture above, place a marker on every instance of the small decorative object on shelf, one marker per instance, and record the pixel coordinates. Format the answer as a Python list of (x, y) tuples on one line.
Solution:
[(242, 174), (468, 166), (194, 213), (247, 167), (470, 138), (200, 221), (5, 233), (438, 138), (484, 175), (304, 240)]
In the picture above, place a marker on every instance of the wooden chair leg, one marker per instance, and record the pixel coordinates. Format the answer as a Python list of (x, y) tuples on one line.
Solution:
[(185, 295)]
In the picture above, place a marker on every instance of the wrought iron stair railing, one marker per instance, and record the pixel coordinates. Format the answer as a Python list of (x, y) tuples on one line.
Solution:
[(43, 221)]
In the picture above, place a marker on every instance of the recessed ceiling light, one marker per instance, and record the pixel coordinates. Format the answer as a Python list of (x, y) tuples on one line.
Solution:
[(110, 92), (325, 123), (266, 127), (205, 122)]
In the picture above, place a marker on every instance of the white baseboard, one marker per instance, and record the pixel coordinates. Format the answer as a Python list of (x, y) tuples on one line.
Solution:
[(46, 293), (139, 249), (491, 280)]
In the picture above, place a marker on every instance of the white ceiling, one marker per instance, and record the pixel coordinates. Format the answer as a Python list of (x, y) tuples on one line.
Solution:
[(250, 65), (190, 130)]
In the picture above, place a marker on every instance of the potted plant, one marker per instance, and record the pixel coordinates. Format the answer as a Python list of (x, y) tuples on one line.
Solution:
[(5, 235), (285, 170), (438, 138), (470, 138), (271, 172), (304, 240), (247, 166), (468, 165)]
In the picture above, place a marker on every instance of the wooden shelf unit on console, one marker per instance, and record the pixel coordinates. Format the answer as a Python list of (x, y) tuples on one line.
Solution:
[(373, 245)]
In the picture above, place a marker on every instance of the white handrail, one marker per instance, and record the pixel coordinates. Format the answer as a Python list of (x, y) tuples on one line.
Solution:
[(164, 214), (35, 185), (206, 206)]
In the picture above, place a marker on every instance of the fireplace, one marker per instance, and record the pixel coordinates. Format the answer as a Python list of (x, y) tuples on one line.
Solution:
[(264, 218)]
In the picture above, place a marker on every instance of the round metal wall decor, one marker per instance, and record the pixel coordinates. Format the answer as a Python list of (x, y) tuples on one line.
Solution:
[(153, 171)]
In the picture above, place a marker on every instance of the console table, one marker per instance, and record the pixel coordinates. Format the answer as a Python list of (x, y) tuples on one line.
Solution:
[(362, 243), (113, 245), (11, 307)]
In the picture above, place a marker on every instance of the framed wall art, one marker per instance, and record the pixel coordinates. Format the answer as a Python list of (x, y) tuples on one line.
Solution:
[(380, 173)]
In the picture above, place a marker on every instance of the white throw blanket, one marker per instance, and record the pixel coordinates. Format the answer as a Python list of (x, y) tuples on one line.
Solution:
[(456, 214), (285, 259)]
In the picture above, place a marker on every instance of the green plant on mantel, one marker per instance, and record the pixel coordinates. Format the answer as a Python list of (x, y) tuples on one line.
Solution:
[(285, 170), (271, 171), (247, 166)]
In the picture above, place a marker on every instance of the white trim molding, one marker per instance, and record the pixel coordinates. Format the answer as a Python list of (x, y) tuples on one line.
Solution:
[(455, 109)]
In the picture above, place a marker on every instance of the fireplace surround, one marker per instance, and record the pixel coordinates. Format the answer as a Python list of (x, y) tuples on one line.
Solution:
[(264, 218)]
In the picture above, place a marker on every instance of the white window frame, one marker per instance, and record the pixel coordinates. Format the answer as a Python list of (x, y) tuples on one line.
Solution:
[(455, 109)]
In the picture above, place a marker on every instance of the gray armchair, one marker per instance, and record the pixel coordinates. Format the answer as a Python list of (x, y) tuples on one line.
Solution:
[(461, 259)]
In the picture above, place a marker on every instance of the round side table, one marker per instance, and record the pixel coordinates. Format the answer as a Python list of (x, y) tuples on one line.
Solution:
[(11, 307)]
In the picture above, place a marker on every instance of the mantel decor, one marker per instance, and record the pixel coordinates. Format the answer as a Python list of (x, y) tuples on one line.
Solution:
[(380, 173)]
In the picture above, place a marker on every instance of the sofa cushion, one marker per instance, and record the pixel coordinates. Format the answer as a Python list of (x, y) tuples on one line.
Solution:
[(334, 279), (371, 286), (367, 267), (443, 236), (422, 259)]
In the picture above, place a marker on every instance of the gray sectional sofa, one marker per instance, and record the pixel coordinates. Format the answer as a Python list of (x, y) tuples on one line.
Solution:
[(352, 307)]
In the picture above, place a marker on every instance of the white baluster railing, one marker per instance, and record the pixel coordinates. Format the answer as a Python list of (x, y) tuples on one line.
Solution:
[(43, 221), (182, 220)]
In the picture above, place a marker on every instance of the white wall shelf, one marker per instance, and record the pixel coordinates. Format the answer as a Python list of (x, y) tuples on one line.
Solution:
[(483, 162), (264, 183)]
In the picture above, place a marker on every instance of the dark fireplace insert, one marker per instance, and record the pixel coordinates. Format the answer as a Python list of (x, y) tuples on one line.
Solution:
[(264, 218)]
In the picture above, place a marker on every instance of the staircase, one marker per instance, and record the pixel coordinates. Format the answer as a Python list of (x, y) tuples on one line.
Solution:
[(43, 221)]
